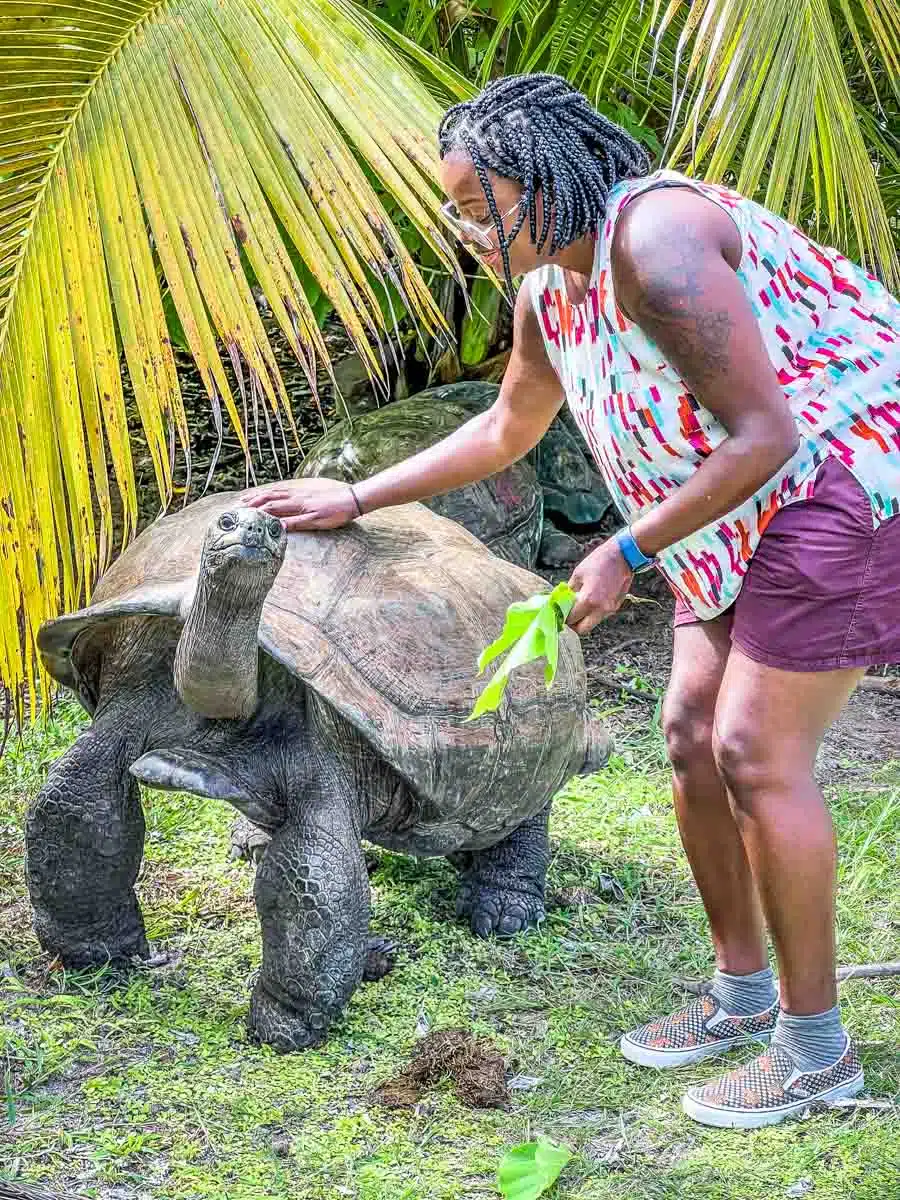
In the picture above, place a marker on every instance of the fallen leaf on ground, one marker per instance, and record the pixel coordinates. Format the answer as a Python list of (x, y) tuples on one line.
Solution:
[(527, 1171)]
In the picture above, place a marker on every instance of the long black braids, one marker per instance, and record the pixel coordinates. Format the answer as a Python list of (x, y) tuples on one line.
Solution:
[(545, 134)]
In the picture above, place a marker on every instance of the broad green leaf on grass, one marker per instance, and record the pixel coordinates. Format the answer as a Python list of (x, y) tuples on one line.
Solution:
[(527, 1171), (155, 157), (531, 632)]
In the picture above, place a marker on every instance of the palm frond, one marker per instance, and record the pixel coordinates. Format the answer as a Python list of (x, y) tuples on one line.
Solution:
[(179, 140), (762, 92), (756, 91)]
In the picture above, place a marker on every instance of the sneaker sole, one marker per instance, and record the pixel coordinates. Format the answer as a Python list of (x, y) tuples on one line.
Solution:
[(748, 1118), (646, 1056)]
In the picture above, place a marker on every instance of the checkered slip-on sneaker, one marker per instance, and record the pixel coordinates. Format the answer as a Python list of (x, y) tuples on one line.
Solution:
[(770, 1088), (700, 1030)]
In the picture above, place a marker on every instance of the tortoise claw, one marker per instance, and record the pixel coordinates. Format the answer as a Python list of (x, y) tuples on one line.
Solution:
[(248, 842), (381, 958), (496, 913)]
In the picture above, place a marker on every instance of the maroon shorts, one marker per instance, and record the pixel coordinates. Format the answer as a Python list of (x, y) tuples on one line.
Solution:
[(822, 591)]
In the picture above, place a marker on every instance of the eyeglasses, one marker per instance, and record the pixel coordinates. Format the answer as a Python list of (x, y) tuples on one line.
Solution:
[(471, 231)]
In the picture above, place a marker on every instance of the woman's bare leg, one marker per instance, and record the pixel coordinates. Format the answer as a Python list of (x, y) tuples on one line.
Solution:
[(768, 726), (709, 833)]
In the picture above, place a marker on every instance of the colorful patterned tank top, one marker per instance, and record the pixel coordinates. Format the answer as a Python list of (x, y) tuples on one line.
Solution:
[(833, 334)]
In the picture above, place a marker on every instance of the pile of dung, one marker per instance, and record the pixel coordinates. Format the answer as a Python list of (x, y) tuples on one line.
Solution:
[(477, 1069)]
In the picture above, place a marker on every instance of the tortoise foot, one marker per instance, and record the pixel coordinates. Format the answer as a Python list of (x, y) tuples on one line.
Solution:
[(498, 912), (119, 939), (501, 888), (248, 842), (381, 957), (283, 1028)]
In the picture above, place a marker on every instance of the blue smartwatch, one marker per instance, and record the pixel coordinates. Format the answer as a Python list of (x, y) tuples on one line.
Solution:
[(632, 553)]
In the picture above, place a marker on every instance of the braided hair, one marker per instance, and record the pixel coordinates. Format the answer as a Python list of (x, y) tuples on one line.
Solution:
[(545, 134)]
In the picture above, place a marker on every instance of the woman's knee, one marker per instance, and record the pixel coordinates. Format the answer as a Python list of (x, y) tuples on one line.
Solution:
[(747, 762), (687, 724)]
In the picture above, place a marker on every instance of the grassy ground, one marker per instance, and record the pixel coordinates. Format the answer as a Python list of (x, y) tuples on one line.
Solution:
[(145, 1086)]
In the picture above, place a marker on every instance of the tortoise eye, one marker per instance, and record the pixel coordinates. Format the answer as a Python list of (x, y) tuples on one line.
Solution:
[(228, 521), (275, 527)]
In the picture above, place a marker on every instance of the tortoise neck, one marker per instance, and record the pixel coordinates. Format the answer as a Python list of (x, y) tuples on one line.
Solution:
[(217, 660)]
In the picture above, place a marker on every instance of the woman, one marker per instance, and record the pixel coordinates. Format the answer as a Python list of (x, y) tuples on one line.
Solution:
[(739, 387)]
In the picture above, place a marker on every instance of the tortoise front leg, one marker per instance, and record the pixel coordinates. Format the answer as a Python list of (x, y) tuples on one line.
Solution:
[(312, 895), (84, 841)]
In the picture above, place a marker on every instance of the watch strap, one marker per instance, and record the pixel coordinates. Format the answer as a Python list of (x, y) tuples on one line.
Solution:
[(631, 551)]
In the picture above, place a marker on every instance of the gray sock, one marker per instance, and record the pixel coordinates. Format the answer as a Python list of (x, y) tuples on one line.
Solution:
[(744, 995), (813, 1042)]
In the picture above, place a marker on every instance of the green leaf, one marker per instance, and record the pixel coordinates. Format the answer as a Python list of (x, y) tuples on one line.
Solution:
[(531, 632), (518, 618), (173, 323), (479, 326), (527, 1171)]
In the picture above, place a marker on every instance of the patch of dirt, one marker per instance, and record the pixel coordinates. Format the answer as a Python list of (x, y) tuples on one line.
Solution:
[(865, 735), (476, 1067)]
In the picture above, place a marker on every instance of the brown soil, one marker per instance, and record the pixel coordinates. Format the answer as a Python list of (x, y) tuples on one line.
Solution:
[(477, 1069)]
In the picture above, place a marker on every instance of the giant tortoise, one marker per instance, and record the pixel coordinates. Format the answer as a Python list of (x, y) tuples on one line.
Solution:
[(320, 683), (512, 512)]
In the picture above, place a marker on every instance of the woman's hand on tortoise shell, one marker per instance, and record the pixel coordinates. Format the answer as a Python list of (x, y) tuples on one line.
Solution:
[(303, 504)]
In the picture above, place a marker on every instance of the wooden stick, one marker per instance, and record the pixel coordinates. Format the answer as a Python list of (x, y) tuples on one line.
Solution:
[(26, 1191), (884, 687), (853, 1102), (632, 641), (700, 987), (868, 971), (614, 683)]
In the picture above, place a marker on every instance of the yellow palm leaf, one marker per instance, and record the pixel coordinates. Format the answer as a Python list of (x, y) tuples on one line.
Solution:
[(143, 140)]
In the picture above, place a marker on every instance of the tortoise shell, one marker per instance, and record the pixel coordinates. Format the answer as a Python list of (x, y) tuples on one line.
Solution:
[(557, 474), (384, 619), (505, 512)]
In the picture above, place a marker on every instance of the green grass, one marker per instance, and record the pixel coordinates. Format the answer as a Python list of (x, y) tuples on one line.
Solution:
[(146, 1086)]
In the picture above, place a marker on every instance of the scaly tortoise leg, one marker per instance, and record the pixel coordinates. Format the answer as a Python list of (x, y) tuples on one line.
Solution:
[(84, 842), (501, 889), (312, 895)]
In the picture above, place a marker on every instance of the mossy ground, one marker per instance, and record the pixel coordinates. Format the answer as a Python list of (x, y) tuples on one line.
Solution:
[(145, 1086)]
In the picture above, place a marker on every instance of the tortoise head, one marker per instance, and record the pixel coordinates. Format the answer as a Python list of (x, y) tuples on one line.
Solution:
[(245, 539), (216, 662)]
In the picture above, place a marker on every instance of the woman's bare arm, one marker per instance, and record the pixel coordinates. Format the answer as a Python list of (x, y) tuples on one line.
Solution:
[(674, 259), (529, 399)]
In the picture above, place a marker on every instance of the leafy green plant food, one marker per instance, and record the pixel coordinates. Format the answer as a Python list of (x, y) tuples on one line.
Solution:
[(527, 1171), (531, 631)]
